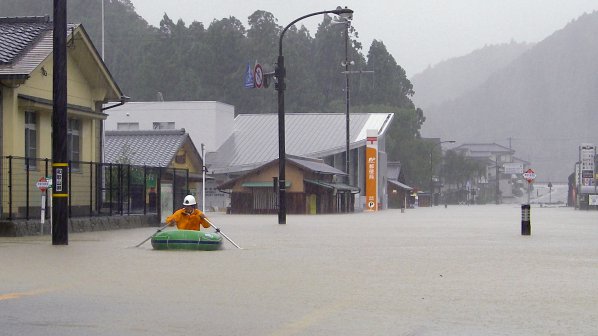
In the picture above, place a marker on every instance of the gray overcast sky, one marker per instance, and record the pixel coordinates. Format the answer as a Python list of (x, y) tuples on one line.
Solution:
[(417, 33)]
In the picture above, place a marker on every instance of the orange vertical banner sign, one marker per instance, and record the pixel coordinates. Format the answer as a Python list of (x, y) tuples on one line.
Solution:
[(371, 171)]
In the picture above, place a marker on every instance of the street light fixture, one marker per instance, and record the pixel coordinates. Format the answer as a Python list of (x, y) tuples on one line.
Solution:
[(280, 73), (432, 169)]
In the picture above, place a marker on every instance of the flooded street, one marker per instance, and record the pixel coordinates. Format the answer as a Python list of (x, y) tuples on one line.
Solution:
[(461, 270)]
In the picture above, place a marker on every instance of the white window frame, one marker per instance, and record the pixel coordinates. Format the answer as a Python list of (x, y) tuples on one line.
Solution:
[(127, 126), (163, 125), (31, 120), (74, 133)]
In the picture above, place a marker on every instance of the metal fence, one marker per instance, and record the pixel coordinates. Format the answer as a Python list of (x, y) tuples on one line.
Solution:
[(95, 189)]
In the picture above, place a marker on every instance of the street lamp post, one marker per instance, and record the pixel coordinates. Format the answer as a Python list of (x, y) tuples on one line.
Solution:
[(432, 169), (280, 73), (347, 101)]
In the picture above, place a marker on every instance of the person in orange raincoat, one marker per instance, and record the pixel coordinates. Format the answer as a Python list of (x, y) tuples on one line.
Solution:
[(188, 217)]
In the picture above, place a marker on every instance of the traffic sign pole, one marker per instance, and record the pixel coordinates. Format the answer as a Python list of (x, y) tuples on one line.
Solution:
[(526, 209), (528, 192), (42, 184), (529, 175), (43, 214)]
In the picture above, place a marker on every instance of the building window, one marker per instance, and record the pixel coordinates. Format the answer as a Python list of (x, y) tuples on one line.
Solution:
[(74, 143), (31, 138), (180, 157), (127, 126), (164, 125)]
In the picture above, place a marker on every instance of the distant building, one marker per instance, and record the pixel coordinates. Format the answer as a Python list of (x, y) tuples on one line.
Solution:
[(399, 193), (254, 143), (312, 185), (496, 183)]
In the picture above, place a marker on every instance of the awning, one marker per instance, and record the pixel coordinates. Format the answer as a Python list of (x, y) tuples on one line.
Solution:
[(262, 184), (400, 185), (333, 185), (30, 101)]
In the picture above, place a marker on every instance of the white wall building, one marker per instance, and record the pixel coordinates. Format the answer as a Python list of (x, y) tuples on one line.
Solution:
[(207, 122)]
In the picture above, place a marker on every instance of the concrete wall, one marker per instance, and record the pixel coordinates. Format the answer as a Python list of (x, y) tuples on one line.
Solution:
[(19, 228)]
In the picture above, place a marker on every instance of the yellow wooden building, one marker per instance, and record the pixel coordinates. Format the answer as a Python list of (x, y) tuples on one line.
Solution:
[(26, 65)]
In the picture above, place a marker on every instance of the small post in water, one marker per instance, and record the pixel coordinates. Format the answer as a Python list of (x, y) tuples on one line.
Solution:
[(526, 227)]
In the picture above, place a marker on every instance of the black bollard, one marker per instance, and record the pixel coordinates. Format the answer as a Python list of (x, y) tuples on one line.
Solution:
[(526, 227)]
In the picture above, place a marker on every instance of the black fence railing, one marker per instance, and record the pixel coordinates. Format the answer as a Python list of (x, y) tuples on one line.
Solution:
[(95, 189)]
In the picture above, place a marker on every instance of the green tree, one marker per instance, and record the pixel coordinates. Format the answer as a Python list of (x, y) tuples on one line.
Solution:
[(458, 169), (404, 143), (390, 84), (262, 46)]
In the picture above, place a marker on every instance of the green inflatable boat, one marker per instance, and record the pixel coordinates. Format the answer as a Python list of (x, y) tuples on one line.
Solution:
[(186, 240)]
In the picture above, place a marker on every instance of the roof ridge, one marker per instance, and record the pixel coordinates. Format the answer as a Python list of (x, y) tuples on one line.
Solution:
[(25, 19), (147, 132)]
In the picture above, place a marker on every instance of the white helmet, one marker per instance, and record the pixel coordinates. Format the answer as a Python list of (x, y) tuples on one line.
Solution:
[(189, 200)]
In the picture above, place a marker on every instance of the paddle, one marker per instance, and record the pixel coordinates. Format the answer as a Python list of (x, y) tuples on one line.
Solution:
[(222, 233), (150, 237)]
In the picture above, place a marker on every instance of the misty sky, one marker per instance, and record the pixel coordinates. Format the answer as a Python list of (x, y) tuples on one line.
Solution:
[(418, 33)]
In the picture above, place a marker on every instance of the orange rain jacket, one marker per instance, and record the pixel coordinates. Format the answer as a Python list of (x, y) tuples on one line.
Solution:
[(185, 221)]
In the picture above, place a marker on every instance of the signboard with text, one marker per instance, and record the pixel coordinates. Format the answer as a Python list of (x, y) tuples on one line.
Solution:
[(587, 152), (371, 171), (42, 184), (513, 168), (529, 175), (249, 81)]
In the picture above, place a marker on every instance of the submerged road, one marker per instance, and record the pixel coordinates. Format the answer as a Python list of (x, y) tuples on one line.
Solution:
[(461, 270)]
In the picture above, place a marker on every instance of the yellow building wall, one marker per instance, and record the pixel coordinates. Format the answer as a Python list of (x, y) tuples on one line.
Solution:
[(10, 121), (40, 86), (78, 89), (192, 165), (292, 174)]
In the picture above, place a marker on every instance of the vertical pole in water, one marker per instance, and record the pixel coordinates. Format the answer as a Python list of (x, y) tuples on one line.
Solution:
[(526, 227)]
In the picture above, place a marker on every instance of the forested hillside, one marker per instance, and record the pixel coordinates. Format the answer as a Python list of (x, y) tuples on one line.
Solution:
[(206, 61), (544, 103), (202, 61), (454, 77)]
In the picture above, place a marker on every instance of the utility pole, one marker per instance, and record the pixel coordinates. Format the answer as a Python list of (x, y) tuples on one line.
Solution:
[(103, 54), (346, 63), (497, 201), (347, 116), (60, 166), (203, 177)]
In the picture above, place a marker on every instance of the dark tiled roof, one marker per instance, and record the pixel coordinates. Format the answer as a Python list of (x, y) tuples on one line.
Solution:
[(16, 34), (315, 165), (309, 164), (154, 148), (25, 42)]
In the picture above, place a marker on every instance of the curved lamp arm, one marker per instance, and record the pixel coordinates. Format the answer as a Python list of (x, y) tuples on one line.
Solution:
[(338, 11)]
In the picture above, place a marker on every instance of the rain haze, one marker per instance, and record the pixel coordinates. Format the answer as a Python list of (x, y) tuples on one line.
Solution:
[(417, 33)]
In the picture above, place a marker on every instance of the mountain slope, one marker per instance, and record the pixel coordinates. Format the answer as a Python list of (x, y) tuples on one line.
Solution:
[(545, 101), (455, 77)]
